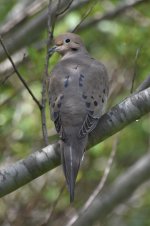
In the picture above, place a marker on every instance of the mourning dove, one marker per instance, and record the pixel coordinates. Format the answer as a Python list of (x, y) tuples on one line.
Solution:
[(78, 89)]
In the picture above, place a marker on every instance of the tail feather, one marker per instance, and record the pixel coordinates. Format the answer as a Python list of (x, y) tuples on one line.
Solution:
[(72, 152)]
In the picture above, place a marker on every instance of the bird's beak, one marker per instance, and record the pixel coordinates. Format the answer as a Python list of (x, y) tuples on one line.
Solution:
[(52, 50)]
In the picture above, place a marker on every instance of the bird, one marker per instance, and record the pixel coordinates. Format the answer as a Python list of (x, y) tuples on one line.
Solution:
[(77, 92)]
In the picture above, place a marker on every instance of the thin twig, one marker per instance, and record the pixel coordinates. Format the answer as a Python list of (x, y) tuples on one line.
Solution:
[(64, 10), (47, 223), (105, 175), (144, 85), (13, 95), (44, 82), (55, 18), (135, 69), (86, 14), (6, 78), (19, 75)]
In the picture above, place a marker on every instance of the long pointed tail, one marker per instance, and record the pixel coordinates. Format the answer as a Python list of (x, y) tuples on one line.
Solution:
[(72, 152)]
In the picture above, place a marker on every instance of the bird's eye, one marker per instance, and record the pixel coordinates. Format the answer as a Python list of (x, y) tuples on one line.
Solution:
[(67, 40)]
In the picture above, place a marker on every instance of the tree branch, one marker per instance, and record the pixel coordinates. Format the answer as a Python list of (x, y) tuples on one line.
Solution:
[(121, 115), (85, 15), (19, 75), (112, 13), (144, 85), (120, 190), (102, 182), (24, 171), (65, 9), (45, 76), (25, 11)]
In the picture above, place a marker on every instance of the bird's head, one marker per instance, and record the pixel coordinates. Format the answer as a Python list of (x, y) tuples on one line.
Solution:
[(67, 43)]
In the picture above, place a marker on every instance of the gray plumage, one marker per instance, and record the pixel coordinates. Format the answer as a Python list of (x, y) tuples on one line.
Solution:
[(78, 90)]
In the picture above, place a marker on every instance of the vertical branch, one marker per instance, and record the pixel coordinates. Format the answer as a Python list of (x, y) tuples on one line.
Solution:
[(50, 28), (135, 69), (44, 82)]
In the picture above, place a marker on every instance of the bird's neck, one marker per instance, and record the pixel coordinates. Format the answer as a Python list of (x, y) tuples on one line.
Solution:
[(73, 53)]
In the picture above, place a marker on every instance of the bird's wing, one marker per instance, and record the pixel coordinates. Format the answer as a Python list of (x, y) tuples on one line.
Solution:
[(55, 94), (95, 91)]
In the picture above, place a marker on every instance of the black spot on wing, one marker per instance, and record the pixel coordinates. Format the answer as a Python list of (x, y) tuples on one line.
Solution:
[(59, 105), (66, 81), (88, 104), (80, 84), (81, 78), (84, 96), (91, 113), (55, 114), (95, 103)]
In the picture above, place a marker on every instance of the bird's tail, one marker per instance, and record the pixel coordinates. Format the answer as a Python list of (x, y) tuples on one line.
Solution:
[(72, 152)]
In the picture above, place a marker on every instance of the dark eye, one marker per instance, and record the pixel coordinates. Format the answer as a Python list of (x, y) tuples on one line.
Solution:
[(67, 40)]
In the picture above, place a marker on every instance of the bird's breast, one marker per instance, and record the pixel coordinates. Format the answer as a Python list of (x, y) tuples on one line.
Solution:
[(73, 108)]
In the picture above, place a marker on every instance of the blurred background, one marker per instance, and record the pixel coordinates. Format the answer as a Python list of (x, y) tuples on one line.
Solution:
[(116, 33)]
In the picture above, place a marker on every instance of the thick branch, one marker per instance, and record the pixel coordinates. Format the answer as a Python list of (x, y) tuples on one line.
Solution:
[(26, 170), (27, 9), (122, 189), (46, 159)]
